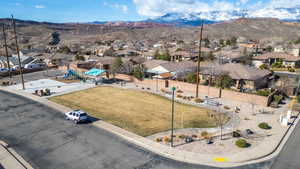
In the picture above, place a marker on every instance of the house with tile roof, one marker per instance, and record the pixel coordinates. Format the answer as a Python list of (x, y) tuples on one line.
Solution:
[(178, 69), (13, 59), (287, 60), (292, 49), (244, 76)]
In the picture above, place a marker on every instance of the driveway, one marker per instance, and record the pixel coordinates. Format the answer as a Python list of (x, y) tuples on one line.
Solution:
[(47, 141)]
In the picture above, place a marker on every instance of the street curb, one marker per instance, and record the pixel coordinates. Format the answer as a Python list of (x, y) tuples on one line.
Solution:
[(23, 164), (162, 149)]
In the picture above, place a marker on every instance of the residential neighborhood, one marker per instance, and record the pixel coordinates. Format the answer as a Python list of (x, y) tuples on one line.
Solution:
[(178, 85)]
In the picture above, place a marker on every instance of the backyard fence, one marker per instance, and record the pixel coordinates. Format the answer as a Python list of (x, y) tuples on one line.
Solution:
[(203, 90)]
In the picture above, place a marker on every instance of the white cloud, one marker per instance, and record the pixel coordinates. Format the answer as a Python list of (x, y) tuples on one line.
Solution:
[(244, 1), (160, 7), (153, 8), (283, 3), (257, 5), (18, 4), (121, 7), (39, 6), (125, 8), (223, 6)]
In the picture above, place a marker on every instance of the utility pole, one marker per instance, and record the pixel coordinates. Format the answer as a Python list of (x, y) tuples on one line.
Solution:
[(6, 52), (18, 51), (199, 57), (297, 90)]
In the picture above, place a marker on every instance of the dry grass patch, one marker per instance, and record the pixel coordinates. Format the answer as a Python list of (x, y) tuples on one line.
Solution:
[(139, 112)]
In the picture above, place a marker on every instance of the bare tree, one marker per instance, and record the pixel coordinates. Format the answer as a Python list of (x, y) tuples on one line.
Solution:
[(286, 85), (220, 119)]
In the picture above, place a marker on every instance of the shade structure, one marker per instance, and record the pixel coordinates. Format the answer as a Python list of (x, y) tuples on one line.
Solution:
[(95, 72)]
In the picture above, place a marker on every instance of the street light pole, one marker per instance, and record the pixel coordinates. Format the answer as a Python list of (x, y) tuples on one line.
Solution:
[(156, 81), (172, 130)]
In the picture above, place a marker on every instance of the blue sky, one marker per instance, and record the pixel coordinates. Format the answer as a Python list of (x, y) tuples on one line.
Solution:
[(113, 10)]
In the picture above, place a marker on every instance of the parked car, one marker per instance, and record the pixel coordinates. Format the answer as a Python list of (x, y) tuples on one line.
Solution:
[(188, 139), (77, 116), (249, 132), (3, 69), (34, 66)]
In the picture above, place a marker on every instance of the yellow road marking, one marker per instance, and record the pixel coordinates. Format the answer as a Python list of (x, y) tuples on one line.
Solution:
[(220, 159)]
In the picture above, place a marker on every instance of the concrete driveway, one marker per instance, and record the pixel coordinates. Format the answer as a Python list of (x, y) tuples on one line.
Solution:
[(47, 141)]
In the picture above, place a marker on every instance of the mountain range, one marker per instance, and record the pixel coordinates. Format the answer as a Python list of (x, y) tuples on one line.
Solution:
[(193, 19)]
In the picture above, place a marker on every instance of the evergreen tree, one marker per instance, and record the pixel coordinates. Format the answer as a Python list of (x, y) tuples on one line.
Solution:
[(116, 65)]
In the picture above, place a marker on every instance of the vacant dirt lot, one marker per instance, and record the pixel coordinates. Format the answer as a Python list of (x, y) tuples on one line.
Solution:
[(139, 112)]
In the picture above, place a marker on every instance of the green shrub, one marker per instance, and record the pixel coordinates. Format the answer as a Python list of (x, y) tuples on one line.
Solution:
[(199, 100), (226, 107), (179, 96), (263, 66), (276, 65), (206, 83), (278, 98), (158, 139), (181, 136), (298, 99), (265, 92), (185, 98), (191, 78), (179, 91), (291, 69), (204, 134), (242, 143), (264, 125)]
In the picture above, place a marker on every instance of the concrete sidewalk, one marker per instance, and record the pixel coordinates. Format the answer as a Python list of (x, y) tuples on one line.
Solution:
[(261, 153), (9, 159)]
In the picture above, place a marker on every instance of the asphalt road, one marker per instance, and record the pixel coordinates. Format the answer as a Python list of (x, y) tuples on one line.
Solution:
[(47, 141), (289, 158)]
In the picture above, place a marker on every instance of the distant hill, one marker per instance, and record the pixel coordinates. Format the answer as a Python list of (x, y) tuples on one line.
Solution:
[(38, 34)]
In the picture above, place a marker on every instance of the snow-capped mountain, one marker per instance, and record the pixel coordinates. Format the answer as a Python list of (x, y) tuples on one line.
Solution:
[(192, 19)]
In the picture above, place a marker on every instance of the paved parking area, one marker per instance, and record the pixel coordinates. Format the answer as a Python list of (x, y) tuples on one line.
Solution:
[(44, 139), (51, 73), (55, 87)]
